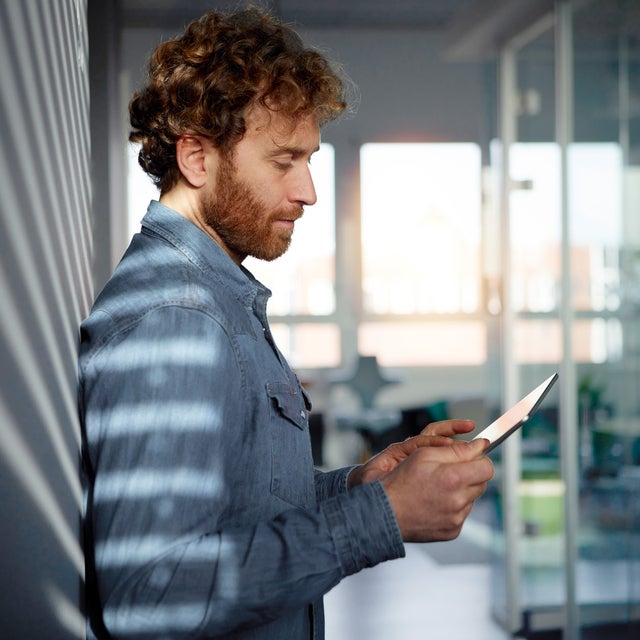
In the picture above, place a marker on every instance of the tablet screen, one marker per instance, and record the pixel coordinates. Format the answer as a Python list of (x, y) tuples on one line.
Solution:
[(515, 417)]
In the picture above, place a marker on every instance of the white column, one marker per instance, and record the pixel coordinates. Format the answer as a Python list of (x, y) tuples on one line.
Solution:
[(568, 390)]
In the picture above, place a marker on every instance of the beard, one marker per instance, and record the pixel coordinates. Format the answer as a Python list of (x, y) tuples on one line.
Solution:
[(242, 221)]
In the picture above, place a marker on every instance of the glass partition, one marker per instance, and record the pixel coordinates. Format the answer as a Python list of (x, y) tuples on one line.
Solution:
[(605, 240), (570, 142)]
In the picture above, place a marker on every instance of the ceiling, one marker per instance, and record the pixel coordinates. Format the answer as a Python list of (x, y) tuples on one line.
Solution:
[(471, 29), (433, 15)]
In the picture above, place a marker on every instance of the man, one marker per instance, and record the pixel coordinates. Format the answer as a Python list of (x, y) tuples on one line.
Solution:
[(205, 517)]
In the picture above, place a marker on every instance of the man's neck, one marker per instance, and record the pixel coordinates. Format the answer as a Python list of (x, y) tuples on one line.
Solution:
[(185, 201)]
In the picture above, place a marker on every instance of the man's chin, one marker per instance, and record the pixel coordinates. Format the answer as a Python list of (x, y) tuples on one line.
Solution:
[(273, 251)]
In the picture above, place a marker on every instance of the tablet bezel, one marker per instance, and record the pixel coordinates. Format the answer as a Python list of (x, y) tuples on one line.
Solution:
[(512, 419)]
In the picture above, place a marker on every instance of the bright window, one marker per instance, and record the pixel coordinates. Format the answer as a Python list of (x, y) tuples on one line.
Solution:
[(140, 190), (421, 241), (415, 344), (308, 345), (421, 228)]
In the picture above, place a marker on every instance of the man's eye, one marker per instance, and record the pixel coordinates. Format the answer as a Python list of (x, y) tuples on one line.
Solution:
[(283, 166)]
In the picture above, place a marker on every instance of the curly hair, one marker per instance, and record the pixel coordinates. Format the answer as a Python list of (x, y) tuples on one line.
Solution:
[(204, 81)]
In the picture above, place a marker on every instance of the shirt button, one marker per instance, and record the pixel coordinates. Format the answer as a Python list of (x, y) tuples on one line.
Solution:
[(302, 414)]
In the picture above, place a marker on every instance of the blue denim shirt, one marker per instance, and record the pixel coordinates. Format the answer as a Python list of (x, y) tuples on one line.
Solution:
[(204, 515)]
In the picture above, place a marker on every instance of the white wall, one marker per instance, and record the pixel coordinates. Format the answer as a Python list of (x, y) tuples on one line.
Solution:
[(408, 92)]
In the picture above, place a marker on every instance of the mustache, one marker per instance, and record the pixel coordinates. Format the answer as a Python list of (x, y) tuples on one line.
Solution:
[(292, 215)]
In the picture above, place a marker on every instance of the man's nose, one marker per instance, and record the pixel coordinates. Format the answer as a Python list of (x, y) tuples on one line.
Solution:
[(303, 190)]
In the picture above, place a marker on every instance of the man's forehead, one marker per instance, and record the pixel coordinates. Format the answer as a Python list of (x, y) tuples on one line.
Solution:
[(283, 131)]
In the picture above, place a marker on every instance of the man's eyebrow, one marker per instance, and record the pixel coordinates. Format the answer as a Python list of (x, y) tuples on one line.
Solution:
[(292, 150)]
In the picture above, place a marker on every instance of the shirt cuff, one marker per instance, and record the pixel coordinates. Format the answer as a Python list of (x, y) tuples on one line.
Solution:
[(331, 483), (363, 527)]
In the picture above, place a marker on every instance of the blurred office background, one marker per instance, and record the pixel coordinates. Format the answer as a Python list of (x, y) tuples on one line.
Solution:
[(478, 228)]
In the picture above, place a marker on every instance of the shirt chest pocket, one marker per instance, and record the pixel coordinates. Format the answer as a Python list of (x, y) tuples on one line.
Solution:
[(291, 458)]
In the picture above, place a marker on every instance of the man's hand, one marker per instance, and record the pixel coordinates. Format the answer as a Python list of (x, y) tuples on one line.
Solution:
[(433, 490), (437, 434), (431, 480)]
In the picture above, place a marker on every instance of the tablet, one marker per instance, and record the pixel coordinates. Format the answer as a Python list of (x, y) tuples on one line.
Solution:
[(515, 417)]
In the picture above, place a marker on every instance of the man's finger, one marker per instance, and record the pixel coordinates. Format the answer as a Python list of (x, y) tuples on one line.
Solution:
[(448, 428), (457, 451)]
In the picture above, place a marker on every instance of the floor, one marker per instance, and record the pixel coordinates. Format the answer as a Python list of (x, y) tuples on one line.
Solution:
[(442, 591), (413, 598)]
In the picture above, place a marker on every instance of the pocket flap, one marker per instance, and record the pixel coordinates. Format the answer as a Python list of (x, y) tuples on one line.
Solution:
[(290, 402)]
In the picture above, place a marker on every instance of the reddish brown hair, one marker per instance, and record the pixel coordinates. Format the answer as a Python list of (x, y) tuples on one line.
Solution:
[(203, 82)]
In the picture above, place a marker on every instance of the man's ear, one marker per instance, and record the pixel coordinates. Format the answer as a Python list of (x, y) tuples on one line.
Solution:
[(196, 158)]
